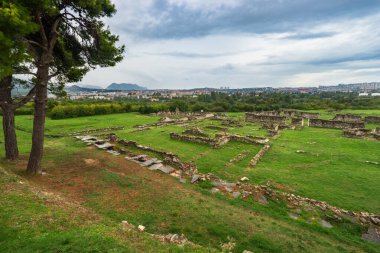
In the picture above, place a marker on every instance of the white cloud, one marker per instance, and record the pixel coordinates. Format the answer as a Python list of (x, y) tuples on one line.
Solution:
[(345, 49)]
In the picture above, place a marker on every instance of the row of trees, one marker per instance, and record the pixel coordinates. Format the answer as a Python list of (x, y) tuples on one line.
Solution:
[(48, 43), (215, 102)]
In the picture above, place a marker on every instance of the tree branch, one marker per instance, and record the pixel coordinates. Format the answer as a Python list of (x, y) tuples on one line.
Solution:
[(25, 99)]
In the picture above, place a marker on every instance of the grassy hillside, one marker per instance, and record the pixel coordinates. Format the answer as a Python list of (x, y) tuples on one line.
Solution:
[(79, 204)]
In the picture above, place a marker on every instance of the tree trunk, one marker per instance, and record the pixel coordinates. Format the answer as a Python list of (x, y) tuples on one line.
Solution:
[(40, 100), (11, 149)]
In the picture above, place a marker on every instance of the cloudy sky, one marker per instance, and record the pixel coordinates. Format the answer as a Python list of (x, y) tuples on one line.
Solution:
[(244, 43)]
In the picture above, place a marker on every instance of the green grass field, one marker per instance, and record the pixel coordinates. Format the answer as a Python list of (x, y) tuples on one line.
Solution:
[(82, 205)]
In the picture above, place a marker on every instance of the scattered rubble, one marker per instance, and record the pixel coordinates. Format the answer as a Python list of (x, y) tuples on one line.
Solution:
[(372, 235), (141, 228), (325, 224)]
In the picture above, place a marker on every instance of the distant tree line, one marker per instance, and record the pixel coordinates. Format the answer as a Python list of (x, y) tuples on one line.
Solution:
[(215, 102)]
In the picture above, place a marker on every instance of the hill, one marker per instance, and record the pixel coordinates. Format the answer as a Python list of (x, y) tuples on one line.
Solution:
[(125, 86), (77, 88), (90, 86)]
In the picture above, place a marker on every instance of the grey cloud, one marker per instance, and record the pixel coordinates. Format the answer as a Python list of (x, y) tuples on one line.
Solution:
[(258, 16), (305, 36)]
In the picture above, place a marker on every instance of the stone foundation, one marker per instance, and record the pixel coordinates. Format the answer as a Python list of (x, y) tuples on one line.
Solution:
[(372, 119), (268, 113), (290, 113), (348, 117), (335, 124), (252, 117), (258, 156), (224, 129), (231, 123), (219, 140), (309, 115), (361, 133), (298, 122), (195, 131)]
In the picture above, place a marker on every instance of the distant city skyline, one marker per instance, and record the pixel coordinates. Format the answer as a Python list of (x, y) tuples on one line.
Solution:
[(244, 43)]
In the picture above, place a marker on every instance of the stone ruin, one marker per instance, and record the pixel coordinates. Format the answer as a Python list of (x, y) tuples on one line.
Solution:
[(309, 115), (168, 157), (335, 124), (219, 140), (231, 123), (88, 131), (259, 193), (253, 117), (372, 119), (268, 113), (195, 131), (290, 113), (197, 115), (297, 122), (259, 155), (214, 142), (362, 133), (348, 117), (224, 129)]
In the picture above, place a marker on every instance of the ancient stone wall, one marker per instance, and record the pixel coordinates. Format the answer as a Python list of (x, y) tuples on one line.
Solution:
[(258, 156), (89, 131), (247, 139), (219, 140), (290, 113), (361, 133), (372, 119), (347, 117), (195, 131), (309, 115), (335, 124), (224, 129), (298, 122), (269, 113), (252, 117), (231, 123), (197, 139)]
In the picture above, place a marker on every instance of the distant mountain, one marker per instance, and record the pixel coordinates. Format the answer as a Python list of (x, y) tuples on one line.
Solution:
[(90, 86), (76, 88), (125, 86)]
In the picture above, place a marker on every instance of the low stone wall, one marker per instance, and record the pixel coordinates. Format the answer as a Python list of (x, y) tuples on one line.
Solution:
[(361, 133), (268, 113), (224, 129), (298, 122), (246, 139), (309, 115), (219, 140), (195, 131), (231, 123), (258, 156), (335, 124), (90, 131), (348, 117), (372, 119), (198, 139), (252, 117), (290, 113)]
